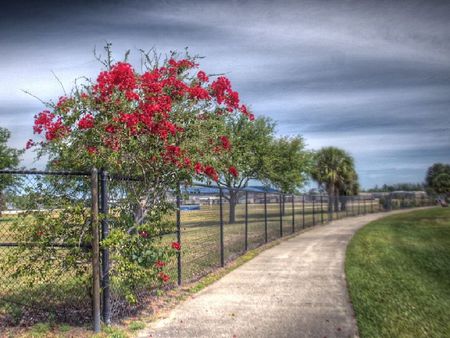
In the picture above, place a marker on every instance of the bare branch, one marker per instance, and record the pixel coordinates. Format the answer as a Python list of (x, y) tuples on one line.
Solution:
[(38, 98), (60, 83)]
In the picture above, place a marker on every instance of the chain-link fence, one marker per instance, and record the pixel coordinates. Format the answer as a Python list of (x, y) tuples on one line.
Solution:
[(45, 271), (46, 238)]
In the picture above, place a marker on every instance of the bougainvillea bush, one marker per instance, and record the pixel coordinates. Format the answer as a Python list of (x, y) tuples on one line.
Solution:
[(164, 125)]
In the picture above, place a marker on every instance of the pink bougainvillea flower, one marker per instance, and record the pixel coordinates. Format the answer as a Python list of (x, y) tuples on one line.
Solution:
[(201, 75), (176, 246), (143, 234), (233, 171), (29, 144), (226, 144), (86, 122), (160, 264), (211, 173), (164, 277)]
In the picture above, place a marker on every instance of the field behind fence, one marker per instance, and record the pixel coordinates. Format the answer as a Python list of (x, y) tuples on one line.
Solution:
[(59, 288)]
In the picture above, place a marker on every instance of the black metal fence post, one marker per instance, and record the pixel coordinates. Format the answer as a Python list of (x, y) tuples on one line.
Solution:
[(303, 211), (106, 295), (179, 276), (329, 208), (265, 217), (321, 209), (314, 210), (246, 220), (293, 214), (346, 205), (281, 215), (95, 252), (222, 260), (336, 202), (353, 205), (352, 212)]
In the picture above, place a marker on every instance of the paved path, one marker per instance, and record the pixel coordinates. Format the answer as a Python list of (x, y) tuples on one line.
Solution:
[(295, 289)]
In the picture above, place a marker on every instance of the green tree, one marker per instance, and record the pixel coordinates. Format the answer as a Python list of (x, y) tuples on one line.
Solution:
[(334, 170), (441, 183), (163, 124), (251, 148), (288, 165), (349, 187), (437, 178), (398, 187), (9, 159)]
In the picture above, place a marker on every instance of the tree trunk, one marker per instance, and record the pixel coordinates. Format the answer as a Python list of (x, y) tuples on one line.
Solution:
[(336, 201), (233, 201), (343, 203), (330, 200)]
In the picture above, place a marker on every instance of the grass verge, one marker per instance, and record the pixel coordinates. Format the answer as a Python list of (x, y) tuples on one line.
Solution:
[(398, 275)]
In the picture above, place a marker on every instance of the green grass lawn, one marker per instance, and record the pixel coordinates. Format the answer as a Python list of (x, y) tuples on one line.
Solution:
[(398, 274)]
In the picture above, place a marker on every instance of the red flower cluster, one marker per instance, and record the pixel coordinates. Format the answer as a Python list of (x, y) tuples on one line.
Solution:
[(176, 246), (211, 173), (29, 144), (52, 125), (123, 105), (181, 64), (60, 104), (86, 122), (233, 171), (160, 264), (120, 77), (164, 277), (199, 93), (143, 234), (198, 168), (244, 110), (226, 144), (202, 77)]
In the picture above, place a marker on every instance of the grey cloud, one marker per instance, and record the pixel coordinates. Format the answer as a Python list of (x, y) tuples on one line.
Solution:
[(370, 76)]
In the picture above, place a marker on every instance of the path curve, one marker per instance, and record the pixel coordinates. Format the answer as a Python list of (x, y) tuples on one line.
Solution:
[(295, 289)]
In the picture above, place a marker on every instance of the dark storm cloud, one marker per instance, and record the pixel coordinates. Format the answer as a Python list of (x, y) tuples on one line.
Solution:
[(370, 76)]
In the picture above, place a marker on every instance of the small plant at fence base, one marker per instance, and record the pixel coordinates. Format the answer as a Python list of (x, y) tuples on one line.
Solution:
[(138, 260)]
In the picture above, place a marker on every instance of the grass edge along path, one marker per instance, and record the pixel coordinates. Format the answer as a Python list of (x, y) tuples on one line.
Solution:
[(398, 275)]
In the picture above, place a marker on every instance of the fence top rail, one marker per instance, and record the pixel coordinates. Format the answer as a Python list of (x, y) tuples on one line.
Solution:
[(215, 190), (45, 172)]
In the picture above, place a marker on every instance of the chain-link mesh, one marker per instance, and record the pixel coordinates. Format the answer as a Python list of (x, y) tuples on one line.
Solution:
[(136, 236), (200, 232), (45, 266), (255, 220)]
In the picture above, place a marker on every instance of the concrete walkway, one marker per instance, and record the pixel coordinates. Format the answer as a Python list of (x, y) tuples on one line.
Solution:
[(295, 289)]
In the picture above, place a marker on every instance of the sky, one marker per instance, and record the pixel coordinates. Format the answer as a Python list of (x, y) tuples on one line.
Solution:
[(371, 77)]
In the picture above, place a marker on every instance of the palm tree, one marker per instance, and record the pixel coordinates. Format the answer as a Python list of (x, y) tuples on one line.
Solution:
[(334, 170), (349, 188)]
